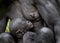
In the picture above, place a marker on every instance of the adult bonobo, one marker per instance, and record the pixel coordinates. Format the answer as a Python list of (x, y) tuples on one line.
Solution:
[(50, 15), (19, 11), (31, 13)]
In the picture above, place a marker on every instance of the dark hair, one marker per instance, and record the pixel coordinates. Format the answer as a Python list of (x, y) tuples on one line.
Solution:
[(6, 2)]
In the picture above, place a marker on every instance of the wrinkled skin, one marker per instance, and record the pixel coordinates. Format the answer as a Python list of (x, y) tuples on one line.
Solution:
[(29, 11)]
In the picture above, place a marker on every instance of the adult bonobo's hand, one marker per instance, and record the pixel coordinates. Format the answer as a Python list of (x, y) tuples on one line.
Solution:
[(45, 35), (6, 38), (30, 37)]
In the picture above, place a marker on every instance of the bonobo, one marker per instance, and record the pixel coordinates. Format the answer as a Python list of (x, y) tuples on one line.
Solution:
[(29, 11), (30, 14), (50, 15), (6, 38), (19, 26)]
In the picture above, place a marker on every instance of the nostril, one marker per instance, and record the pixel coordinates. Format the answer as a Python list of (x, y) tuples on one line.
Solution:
[(19, 32), (32, 15), (32, 39)]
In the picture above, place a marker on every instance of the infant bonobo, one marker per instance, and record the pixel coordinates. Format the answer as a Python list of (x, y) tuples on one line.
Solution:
[(8, 9), (19, 26), (17, 29)]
